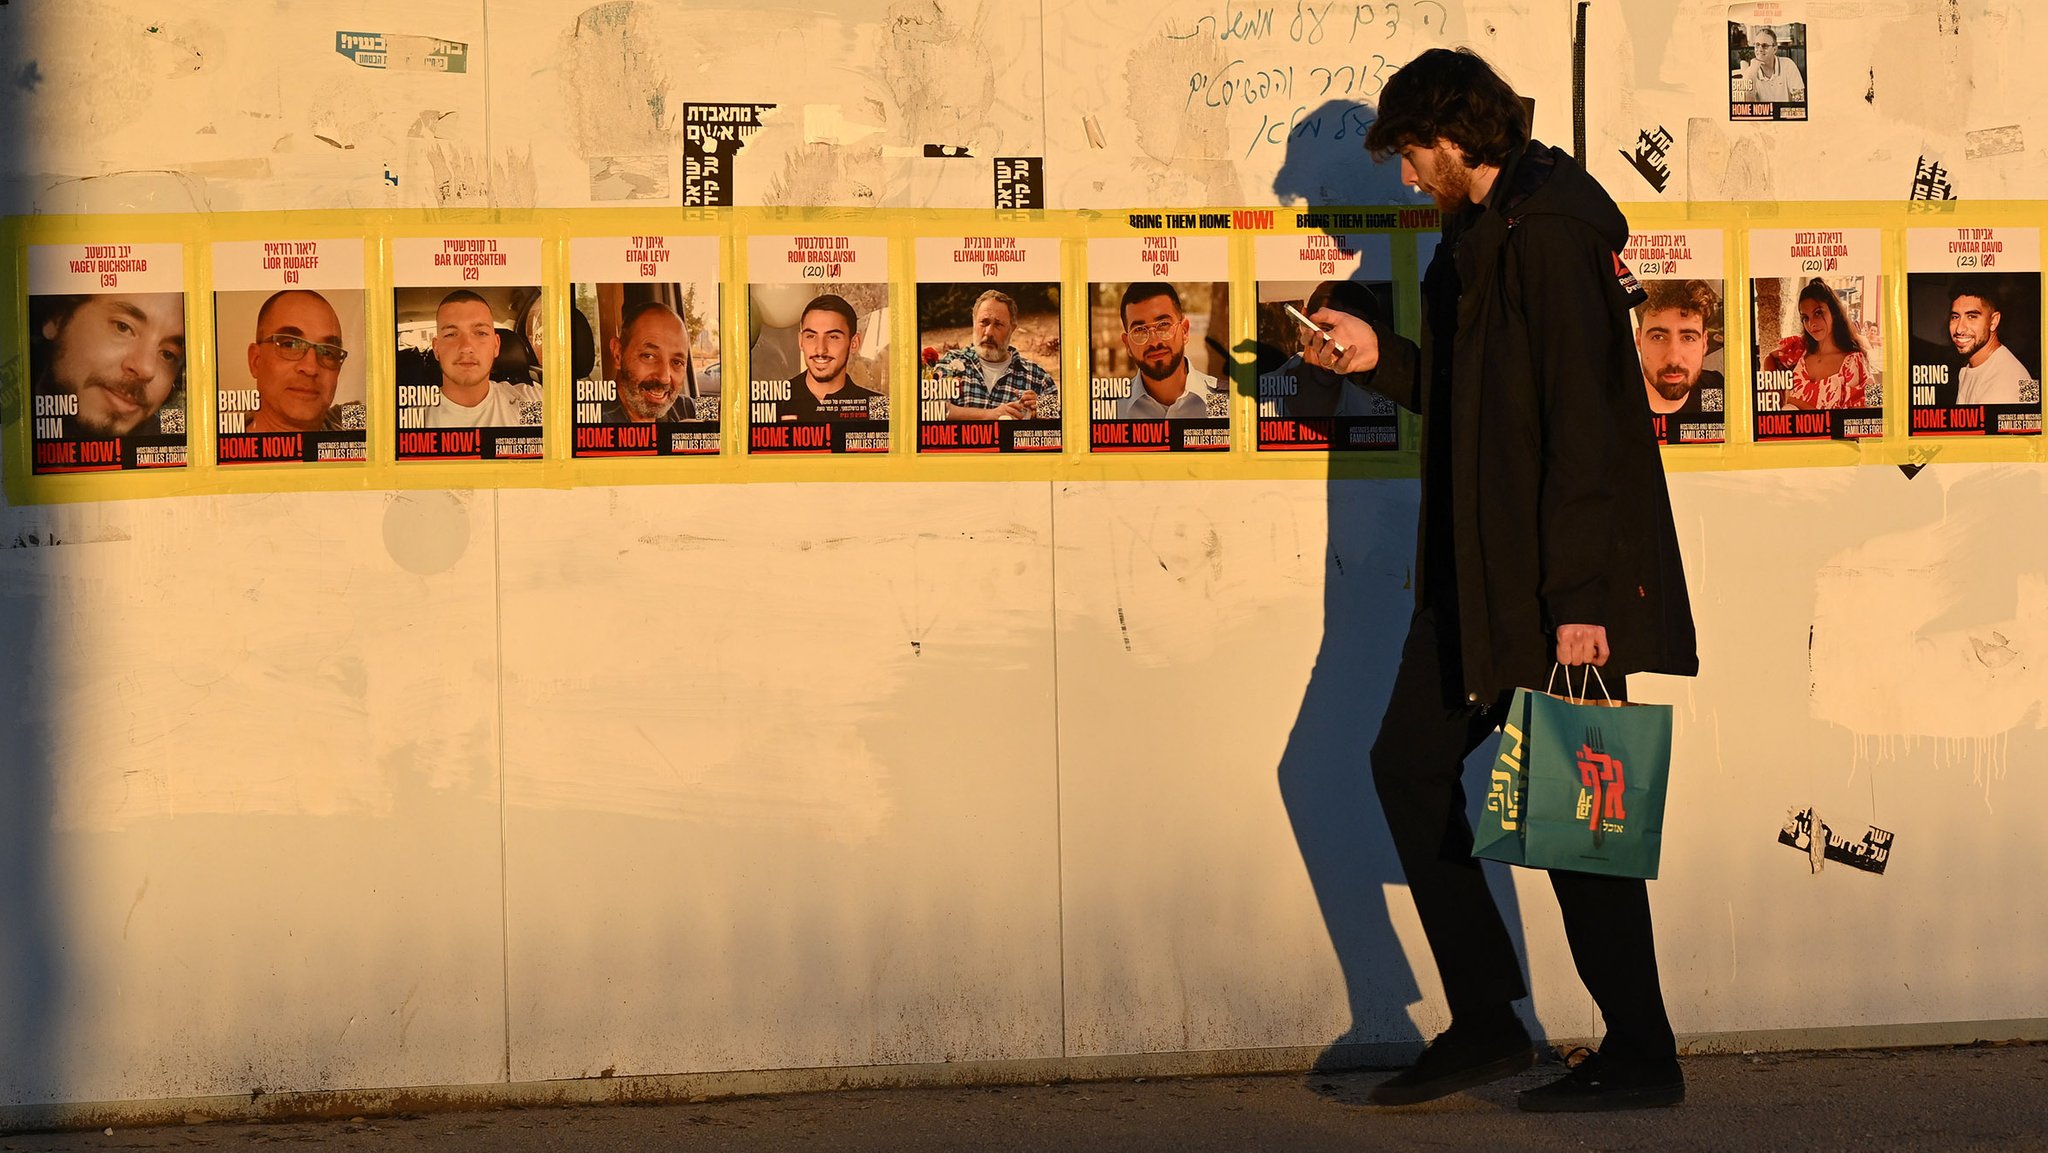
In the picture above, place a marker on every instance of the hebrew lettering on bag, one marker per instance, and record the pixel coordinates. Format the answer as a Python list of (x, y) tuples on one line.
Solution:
[(1602, 786), (1500, 799), (1504, 795)]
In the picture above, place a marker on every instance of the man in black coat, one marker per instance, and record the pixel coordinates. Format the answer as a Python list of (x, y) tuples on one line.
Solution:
[(1546, 535)]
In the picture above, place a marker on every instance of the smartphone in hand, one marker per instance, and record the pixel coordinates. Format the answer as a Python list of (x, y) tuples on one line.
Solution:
[(1311, 325)]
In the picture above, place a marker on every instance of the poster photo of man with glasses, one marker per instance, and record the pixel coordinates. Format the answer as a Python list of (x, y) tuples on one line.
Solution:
[(288, 325), (1159, 375)]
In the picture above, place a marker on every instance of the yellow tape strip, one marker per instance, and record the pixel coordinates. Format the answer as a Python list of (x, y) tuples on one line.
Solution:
[(555, 227)]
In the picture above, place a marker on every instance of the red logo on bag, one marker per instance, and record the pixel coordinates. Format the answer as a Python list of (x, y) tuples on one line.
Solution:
[(1604, 784)]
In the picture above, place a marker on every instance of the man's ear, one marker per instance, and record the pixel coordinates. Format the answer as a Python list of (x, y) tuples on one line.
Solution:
[(860, 333), (1994, 320)]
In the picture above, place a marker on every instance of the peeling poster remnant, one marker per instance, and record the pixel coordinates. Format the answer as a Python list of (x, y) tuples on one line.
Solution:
[(403, 53), (1649, 156), (629, 178), (1930, 181), (1810, 835), (712, 136), (1986, 142), (1020, 182)]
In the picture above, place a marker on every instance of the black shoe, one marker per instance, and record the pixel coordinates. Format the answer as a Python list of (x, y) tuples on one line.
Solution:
[(1599, 1085), (1460, 1058)]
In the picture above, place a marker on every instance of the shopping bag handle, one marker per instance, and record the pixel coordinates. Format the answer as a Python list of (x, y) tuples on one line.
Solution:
[(1586, 682)]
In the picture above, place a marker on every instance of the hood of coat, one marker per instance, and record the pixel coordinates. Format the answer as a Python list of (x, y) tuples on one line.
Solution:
[(1542, 181), (1547, 181)]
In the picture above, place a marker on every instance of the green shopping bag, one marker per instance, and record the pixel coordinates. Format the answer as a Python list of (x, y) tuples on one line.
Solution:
[(1578, 784)]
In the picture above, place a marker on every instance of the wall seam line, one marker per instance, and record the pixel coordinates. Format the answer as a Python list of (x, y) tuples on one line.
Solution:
[(1059, 834), (498, 622), (1044, 125), (504, 878)]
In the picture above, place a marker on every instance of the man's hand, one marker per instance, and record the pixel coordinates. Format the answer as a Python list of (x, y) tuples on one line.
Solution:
[(1582, 645), (1341, 329), (1014, 410)]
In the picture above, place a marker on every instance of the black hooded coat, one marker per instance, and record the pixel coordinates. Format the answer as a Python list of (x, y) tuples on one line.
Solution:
[(1543, 490)]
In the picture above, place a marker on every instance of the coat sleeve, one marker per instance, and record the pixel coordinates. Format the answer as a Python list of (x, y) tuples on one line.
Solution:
[(1398, 376), (1569, 301)]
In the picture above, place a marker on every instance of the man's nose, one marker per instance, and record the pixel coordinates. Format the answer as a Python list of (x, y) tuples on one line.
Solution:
[(1408, 172), (140, 363)]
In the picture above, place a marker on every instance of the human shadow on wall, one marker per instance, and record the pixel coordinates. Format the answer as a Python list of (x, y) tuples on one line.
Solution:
[(31, 977), (31, 972), (1324, 775)]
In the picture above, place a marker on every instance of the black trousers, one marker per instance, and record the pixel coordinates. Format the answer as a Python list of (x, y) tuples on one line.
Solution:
[(1417, 768)]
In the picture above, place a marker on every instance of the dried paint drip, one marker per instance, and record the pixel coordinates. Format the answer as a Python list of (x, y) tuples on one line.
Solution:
[(1986, 755)]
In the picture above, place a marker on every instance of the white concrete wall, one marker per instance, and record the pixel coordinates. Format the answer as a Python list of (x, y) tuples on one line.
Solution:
[(339, 790)]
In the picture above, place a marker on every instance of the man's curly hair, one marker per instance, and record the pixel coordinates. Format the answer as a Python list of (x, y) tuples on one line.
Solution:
[(1455, 96)]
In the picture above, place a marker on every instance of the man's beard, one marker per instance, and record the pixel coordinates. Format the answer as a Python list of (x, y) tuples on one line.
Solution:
[(1676, 391), (1453, 187), (1146, 370), (111, 423), (992, 353), (1966, 351), (639, 407)]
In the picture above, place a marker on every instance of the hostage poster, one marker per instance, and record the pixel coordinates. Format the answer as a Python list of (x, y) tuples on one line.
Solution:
[(288, 351), (1681, 332), (643, 345), (1973, 316), (1303, 407), (106, 356), (1158, 346), (988, 340), (470, 327), (818, 315), (1819, 348)]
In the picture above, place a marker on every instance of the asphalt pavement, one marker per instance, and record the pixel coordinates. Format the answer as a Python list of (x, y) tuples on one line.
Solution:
[(1988, 1097)]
